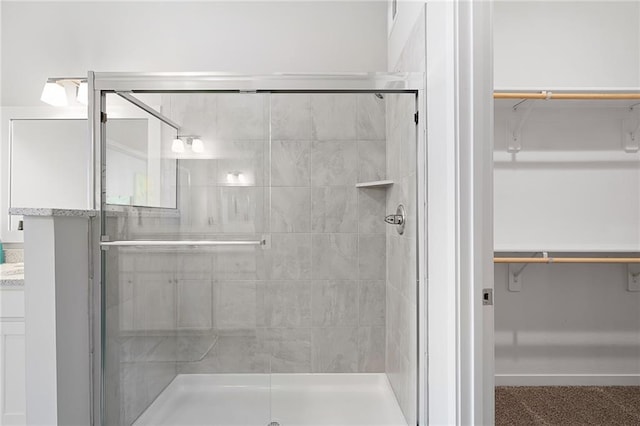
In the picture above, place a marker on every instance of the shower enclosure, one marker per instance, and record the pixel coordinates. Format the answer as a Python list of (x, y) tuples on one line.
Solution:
[(259, 246)]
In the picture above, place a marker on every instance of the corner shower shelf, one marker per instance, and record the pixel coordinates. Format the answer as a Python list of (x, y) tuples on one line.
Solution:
[(375, 184)]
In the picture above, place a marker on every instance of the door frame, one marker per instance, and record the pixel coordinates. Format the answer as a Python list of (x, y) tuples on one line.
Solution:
[(460, 200)]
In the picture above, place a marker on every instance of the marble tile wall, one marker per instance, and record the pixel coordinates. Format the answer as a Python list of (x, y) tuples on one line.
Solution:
[(401, 289), (314, 301), (135, 331)]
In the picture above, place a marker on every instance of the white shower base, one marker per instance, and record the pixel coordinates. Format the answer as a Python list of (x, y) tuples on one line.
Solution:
[(289, 399)]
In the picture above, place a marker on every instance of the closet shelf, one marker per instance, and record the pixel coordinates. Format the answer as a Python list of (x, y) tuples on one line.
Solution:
[(509, 251), (561, 259), (375, 184), (567, 95), (582, 256), (606, 99)]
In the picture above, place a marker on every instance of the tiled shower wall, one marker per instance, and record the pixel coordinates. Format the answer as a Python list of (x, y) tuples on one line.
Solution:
[(314, 301), (401, 291)]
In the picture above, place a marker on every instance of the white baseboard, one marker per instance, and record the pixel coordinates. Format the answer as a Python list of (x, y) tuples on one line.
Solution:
[(567, 379)]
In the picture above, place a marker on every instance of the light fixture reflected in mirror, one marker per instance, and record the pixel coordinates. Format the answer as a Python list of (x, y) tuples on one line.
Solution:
[(193, 141), (197, 145), (236, 177), (177, 145)]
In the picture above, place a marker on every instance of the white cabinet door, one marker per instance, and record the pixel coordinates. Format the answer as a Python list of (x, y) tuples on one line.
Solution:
[(12, 373)]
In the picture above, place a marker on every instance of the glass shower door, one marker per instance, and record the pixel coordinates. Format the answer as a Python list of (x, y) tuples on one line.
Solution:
[(183, 230), (340, 307), (249, 274)]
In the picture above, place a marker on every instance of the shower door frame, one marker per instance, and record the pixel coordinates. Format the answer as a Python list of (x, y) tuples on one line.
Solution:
[(101, 83)]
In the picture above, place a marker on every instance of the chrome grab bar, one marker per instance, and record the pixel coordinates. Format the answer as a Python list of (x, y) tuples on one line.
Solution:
[(180, 243)]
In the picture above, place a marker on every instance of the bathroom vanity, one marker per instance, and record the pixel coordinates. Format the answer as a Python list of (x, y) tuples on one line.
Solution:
[(12, 349), (56, 358)]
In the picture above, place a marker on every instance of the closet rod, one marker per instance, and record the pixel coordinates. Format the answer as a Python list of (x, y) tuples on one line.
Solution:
[(566, 260), (566, 95)]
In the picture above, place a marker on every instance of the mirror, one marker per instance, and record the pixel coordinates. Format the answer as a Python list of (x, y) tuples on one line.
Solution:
[(127, 170), (50, 164), (140, 170)]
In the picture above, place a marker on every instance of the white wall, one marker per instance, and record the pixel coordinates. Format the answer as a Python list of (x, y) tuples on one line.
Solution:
[(400, 29), (570, 324), (571, 188), (547, 44), (55, 149), (48, 39), (54, 39)]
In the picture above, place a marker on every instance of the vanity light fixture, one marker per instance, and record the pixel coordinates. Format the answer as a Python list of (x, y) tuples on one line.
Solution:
[(83, 93), (55, 90), (197, 145), (54, 94), (190, 140)]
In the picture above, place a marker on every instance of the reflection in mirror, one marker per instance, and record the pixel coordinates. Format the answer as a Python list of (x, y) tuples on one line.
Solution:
[(139, 169), (127, 141), (50, 164)]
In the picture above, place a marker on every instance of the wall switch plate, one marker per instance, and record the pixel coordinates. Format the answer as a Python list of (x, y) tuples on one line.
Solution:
[(487, 296)]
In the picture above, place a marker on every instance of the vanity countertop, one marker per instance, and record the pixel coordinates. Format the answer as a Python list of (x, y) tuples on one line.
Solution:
[(28, 211), (11, 275)]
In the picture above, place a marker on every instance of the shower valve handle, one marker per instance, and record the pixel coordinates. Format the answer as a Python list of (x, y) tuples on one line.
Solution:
[(398, 219), (394, 219)]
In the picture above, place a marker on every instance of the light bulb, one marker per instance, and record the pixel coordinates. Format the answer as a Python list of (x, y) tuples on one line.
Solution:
[(241, 178), (229, 177), (54, 94), (177, 145), (83, 93), (197, 145)]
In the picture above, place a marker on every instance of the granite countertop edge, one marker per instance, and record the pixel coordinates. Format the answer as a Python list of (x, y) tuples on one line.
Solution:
[(8, 283), (12, 275), (30, 211)]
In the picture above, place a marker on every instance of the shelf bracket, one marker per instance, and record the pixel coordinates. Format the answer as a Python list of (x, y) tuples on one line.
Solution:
[(631, 130), (515, 277), (634, 277), (519, 114), (515, 271)]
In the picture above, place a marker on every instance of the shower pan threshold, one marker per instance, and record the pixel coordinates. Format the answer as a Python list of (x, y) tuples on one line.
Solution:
[(288, 399)]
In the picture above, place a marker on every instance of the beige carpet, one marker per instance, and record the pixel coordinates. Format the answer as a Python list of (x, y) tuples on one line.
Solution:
[(568, 405)]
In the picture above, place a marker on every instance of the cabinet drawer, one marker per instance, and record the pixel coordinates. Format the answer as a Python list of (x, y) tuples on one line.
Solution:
[(11, 303)]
